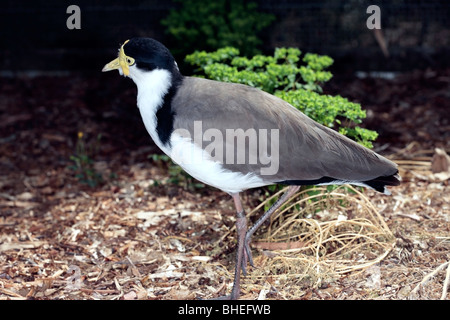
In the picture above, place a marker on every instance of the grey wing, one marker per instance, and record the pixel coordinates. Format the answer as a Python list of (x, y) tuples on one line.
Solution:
[(288, 145)]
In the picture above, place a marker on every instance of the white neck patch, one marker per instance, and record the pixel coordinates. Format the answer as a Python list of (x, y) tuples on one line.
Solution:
[(152, 86)]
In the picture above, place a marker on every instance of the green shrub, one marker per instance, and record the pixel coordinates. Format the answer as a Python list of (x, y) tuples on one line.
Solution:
[(295, 80), (209, 25)]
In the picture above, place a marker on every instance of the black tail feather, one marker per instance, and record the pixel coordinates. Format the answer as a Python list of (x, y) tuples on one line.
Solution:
[(381, 182)]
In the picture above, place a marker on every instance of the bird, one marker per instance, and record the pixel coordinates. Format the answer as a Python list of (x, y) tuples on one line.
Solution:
[(236, 137)]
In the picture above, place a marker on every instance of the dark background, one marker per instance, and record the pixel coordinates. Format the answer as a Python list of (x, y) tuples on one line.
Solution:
[(34, 36)]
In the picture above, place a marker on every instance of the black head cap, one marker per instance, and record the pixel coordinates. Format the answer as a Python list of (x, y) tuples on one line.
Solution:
[(149, 54)]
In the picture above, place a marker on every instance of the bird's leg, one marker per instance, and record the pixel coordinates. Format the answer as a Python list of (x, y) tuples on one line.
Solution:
[(241, 227), (289, 193), (243, 252)]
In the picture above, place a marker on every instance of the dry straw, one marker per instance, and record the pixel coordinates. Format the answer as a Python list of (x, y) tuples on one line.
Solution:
[(318, 236)]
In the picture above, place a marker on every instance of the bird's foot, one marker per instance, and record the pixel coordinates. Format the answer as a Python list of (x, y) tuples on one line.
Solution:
[(247, 256)]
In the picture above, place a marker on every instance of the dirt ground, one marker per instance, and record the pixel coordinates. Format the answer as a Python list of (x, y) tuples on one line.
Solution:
[(133, 234)]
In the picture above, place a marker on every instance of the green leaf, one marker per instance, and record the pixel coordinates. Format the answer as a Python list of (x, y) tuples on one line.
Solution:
[(210, 25)]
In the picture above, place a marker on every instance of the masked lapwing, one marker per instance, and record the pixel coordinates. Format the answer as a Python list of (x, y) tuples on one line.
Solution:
[(235, 137)]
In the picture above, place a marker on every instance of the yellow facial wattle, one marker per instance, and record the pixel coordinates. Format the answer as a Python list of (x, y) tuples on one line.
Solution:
[(122, 61)]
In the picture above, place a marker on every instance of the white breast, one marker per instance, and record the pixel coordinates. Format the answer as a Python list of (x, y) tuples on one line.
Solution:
[(199, 164)]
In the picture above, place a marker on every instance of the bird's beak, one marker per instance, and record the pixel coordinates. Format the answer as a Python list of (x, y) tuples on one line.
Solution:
[(113, 65), (119, 63)]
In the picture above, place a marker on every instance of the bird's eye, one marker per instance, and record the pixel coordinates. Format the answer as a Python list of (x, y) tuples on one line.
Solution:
[(129, 61)]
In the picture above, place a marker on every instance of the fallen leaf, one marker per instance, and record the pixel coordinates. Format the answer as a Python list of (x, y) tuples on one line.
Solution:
[(130, 296), (21, 245), (278, 245), (440, 161)]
